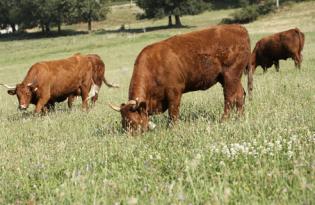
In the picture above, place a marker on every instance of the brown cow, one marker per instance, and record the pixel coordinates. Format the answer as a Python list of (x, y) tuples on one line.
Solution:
[(194, 61), (54, 81), (98, 78), (280, 46)]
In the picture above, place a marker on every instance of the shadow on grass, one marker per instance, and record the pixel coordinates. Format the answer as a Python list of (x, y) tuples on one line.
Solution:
[(122, 29), (39, 35), (20, 116), (30, 114), (199, 115), (55, 34)]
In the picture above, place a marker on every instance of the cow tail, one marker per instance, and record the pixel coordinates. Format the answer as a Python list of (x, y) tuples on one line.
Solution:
[(301, 39), (110, 84)]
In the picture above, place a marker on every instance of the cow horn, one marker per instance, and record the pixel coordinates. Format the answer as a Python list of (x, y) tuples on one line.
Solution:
[(7, 86), (114, 107), (132, 102), (29, 84)]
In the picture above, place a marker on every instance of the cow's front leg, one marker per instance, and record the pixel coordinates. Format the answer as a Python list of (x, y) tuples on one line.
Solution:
[(41, 103), (85, 98), (49, 107), (265, 69), (277, 66)]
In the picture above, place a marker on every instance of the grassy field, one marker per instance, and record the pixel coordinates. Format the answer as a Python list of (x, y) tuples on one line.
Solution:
[(74, 157)]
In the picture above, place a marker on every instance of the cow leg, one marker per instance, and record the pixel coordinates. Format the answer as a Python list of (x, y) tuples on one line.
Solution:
[(234, 94), (71, 99), (297, 61), (50, 106), (94, 98), (173, 97), (277, 65), (85, 98), (45, 109), (240, 99), (41, 103), (265, 69)]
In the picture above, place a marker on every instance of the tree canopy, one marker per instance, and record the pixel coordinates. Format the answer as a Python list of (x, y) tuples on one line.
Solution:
[(177, 8), (47, 13)]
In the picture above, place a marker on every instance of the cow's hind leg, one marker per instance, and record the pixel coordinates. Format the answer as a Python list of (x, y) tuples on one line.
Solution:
[(173, 98), (234, 95), (71, 99), (297, 61)]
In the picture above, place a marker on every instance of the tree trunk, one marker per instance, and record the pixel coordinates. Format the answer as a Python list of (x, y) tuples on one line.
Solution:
[(178, 23), (170, 22), (47, 28), (90, 25), (13, 28), (42, 27), (59, 27)]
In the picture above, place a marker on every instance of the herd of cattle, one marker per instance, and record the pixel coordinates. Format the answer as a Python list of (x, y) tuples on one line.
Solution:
[(162, 72)]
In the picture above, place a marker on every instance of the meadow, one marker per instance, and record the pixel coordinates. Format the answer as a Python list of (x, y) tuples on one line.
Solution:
[(77, 157)]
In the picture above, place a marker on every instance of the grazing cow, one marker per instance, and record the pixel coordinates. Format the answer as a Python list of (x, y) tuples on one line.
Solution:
[(280, 46), (194, 61), (98, 78), (54, 81)]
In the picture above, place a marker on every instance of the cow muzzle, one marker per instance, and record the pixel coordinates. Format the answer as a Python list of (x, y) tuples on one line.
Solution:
[(22, 107)]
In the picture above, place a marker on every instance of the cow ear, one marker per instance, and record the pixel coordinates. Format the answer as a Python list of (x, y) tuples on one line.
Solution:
[(12, 92), (142, 107)]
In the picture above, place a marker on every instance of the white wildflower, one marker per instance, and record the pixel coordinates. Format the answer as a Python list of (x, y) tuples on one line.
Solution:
[(132, 201)]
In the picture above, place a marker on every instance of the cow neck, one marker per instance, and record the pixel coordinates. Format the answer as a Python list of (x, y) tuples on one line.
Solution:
[(138, 91), (31, 76)]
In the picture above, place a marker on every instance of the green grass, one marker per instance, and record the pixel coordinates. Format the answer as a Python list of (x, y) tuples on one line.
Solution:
[(73, 157)]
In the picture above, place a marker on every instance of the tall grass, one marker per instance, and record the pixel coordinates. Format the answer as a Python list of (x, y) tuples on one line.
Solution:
[(74, 157)]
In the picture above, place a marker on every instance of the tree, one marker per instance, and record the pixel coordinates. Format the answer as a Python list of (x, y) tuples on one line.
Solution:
[(90, 10), (9, 14), (177, 8), (62, 11), (42, 13)]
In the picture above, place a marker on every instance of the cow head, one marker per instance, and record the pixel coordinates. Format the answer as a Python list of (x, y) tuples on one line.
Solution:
[(135, 116), (24, 93)]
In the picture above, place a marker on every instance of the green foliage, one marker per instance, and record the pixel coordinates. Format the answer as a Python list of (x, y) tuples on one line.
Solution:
[(250, 13), (74, 157), (223, 4), (89, 10), (160, 9), (9, 13), (47, 13), (219, 4), (70, 157)]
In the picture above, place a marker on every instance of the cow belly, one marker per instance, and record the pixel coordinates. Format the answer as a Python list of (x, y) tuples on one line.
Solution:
[(203, 79), (202, 84)]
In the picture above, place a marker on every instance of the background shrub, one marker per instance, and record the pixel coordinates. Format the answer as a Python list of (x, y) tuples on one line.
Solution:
[(250, 13)]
